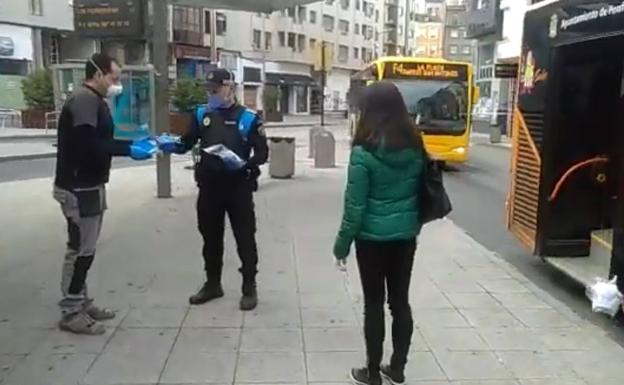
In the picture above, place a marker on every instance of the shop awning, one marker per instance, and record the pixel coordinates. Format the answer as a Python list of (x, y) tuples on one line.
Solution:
[(243, 5), (289, 79)]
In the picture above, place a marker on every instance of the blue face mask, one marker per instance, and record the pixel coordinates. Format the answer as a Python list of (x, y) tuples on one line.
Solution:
[(216, 102)]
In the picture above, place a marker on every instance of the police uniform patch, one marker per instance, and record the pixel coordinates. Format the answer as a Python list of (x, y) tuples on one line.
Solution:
[(206, 121)]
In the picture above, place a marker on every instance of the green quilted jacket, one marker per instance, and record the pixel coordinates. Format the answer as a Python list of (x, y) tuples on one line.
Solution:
[(381, 199)]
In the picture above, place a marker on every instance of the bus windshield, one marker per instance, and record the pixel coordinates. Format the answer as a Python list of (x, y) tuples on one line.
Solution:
[(438, 106)]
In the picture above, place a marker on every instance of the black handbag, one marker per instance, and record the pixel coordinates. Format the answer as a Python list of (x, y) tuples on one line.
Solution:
[(434, 201)]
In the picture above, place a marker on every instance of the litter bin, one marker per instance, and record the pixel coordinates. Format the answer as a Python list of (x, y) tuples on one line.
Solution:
[(282, 157), (324, 150)]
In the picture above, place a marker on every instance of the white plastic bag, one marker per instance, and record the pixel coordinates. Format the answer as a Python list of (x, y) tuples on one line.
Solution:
[(605, 296), (232, 161)]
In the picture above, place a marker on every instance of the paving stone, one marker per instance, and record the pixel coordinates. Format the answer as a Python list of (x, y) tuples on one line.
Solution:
[(525, 364), (51, 369), (274, 315), (422, 366), (133, 356), (59, 342), (333, 340), (194, 367), (25, 344), (8, 364), (332, 366), (594, 368), (270, 367), (440, 318), (208, 340), (155, 317), (503, 286), (490, 318), (450, 339), (220, 313), (558, 381), (271, 340), (521, 300), (542, 318), (486, 382), (474, 301), (473, 366), (329, 317), (512, 339)]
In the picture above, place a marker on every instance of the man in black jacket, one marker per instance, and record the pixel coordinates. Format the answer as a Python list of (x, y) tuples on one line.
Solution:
[(85, 148), (226, 180)]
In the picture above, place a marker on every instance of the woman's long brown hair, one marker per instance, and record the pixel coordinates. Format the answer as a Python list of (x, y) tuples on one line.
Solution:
[(384, 120)]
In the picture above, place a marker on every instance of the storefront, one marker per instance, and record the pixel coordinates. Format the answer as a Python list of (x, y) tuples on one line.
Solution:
[(191, 61), (294, 91), (568, 153)]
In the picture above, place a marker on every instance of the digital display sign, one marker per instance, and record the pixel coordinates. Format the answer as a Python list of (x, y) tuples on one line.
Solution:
[(435, 71), (111, 18)]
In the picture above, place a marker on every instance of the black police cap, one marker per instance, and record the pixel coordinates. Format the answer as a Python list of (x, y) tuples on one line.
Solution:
[(220, 76)]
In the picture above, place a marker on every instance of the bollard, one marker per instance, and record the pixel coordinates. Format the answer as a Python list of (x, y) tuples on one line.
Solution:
[(495, 134), (324, 150), (282, 157), (312, 135)]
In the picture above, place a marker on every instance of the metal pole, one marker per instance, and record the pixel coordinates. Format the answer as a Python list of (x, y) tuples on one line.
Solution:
[(407, 26), (214, 57), (323, 81), (160, 50)]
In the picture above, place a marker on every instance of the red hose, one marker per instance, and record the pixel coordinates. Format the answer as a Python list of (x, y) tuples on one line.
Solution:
[(573, 169)]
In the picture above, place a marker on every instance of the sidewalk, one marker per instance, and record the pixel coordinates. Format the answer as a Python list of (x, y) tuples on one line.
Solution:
[(26, 144), (478, 320)]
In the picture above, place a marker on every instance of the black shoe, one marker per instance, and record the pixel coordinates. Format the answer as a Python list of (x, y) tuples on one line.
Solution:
[(207, 293), (361, 376), (394, 377), (249, 300)]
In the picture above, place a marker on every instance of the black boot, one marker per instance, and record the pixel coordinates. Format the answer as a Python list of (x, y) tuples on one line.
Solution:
[(362, 376), (249, 300), (210, 291), (392, 375)]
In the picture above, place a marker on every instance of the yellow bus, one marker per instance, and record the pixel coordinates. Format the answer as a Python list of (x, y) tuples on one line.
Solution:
[(439, 95)]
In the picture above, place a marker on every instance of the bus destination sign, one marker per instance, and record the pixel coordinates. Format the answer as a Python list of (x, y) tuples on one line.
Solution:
[(438, 71)]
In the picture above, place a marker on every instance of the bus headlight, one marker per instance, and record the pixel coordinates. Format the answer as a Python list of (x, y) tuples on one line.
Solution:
[(459, 150)]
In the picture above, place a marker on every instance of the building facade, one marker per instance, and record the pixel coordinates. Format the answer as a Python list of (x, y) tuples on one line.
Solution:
[(457, 46)]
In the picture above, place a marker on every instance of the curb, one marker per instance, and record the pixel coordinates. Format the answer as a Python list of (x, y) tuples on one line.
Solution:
[(13, 158), (10, 138)]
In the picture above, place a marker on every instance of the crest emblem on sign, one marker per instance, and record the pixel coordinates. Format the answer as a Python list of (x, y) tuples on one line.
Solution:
[(554, 26), (206, 121)]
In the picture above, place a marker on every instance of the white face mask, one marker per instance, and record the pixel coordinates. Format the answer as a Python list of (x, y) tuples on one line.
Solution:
[(114, 90)]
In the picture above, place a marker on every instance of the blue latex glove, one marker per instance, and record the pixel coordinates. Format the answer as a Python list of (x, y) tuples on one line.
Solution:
[(231, 161), (170, 144), (143, 149)]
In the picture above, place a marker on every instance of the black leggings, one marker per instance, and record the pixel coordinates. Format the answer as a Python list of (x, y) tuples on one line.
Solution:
[(386, 264)]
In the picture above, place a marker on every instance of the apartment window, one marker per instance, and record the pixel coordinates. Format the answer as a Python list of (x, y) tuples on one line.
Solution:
[(343, 25), (400, 30), (454, 34), (301, 42), (221, 24), (358, 5), (35, 7), (312, 44), (433, 33), (207, 26), (291, 12), (454, 50), (466, 50), (313, 16), (329, 2), (345, 4), (356, 53), (464, 34), (421, 50), (343, 54), (369, 9), (268, 41), (328, 23), (292, 39), (411, 34), (368, 32), (257, 38), (282, 38), (302, 15), (377, 16)]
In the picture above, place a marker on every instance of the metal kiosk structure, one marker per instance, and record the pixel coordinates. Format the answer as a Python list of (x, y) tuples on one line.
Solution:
[(568, 134)]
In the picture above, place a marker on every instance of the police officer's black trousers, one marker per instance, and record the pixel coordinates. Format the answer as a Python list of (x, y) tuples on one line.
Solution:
[(617, 257), (234, 196)]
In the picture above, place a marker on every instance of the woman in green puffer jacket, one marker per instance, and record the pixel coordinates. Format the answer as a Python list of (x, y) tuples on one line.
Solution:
[(381, 216)]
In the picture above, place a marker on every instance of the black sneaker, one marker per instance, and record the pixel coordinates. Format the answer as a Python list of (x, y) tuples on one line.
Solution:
[(394, 377), (249, 300), (361, 376), (207, 293)]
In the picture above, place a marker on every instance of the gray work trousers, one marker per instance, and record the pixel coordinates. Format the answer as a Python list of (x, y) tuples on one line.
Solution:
[(83, 231)]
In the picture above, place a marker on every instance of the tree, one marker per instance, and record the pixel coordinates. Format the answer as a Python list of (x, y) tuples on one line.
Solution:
[(38, 91), (187, 94)]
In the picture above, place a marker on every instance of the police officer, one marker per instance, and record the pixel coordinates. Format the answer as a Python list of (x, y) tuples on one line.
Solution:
[(85, 148), (225, 190)]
